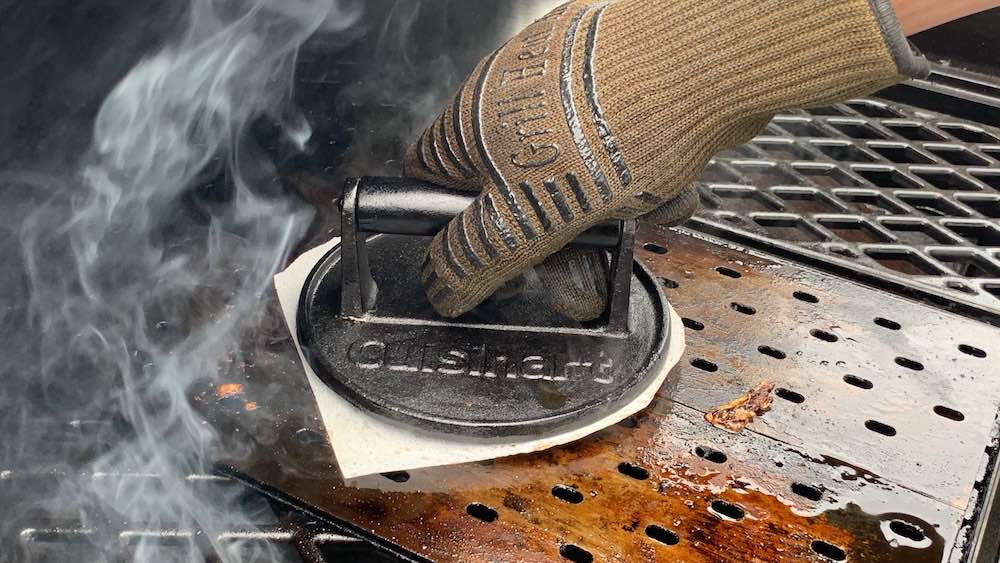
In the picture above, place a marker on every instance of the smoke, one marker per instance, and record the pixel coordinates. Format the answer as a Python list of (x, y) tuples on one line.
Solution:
[(139, 259), (150, 264)]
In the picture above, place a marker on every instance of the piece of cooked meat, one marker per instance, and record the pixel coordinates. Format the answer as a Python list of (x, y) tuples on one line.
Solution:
[(736, 415)]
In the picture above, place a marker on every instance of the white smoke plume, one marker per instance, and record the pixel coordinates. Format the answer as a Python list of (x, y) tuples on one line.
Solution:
[(147, 253), (127, 282)]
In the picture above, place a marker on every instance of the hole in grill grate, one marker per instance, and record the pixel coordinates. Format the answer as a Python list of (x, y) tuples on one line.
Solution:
[(773, 352), (971, 351), (704, 365), (567, 493), (801, 128), (887, 178), (826, 110), (853, 230), (842, 151), (654, 248), (764, 175), (662, 535), (828, 176), (871, 203), (901, 154), (915, 132), (692, 324), (968, 265), (789, 228), (727, 510), (732, 218), (741, 308), (904, 261), (807, 491), (948, 413), (728, 272), (880, 428), (959, 286), (843, 251), (968, 134), (740, 152), (805, 297), (828, 550), (871, 109), (907, 530), (916, 231), (979, 234), (909, 364), (575, 553), (993, 289), (958, 155), (669, 283), (710, 454), (988, 177), (806, 201), (632, 470), (742, 199), (715, 173), (886, 323), (859, 382), (987, 206), (482, 512), (397, 476), (933, 205), (946, 180), (858, 130), (790, 396), (824, 335)]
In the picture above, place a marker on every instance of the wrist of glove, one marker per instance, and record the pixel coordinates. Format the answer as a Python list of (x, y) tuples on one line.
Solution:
[(605, 110)]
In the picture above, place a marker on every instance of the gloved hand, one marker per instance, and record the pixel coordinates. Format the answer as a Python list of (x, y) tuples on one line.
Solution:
[(610, 110)]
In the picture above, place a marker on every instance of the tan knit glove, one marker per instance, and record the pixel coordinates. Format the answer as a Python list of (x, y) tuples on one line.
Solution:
[(605, 110)]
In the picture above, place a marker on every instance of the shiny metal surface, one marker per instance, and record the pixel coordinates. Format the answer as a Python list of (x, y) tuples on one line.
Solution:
[(875, 449)]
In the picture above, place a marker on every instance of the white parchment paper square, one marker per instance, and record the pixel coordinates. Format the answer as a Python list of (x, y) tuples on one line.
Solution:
[(365, 443)]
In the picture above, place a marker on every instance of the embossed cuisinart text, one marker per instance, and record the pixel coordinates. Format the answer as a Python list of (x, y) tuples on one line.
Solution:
[(477, 361)]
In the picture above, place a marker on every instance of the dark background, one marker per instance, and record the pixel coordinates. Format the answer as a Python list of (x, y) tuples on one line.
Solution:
[(59, 59)]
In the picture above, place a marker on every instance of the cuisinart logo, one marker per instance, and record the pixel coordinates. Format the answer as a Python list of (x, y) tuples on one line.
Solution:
[(478, 361)]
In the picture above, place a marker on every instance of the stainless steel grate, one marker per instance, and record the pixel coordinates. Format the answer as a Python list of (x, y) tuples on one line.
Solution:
[(879, 447), (882, 187)]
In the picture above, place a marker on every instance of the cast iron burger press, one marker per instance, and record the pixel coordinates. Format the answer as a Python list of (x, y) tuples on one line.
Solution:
[(511, 367)]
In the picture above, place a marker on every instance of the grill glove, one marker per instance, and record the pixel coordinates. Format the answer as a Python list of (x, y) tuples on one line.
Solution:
[(610, 110)]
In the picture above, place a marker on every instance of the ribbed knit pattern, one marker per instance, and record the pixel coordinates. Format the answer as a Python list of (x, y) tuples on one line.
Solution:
[(605, 110)]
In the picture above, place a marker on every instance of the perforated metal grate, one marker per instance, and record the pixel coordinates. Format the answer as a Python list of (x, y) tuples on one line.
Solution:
[(885, 187), (41, 527), (877, 448)]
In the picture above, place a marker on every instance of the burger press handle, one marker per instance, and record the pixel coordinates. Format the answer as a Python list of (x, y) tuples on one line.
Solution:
[(404, 206)]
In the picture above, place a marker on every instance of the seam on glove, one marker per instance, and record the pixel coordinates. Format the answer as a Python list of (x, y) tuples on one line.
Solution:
[(908, 59)]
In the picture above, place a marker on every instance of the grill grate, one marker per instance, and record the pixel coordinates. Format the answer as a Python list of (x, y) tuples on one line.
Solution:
[(82, 533), (876, 448), (887, 188)]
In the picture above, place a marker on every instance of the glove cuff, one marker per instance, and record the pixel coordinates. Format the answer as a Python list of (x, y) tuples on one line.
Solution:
[(909, 60)]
